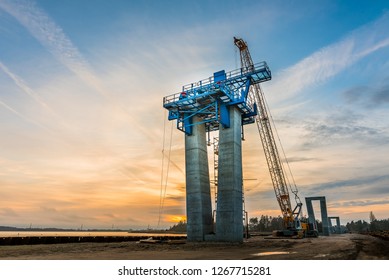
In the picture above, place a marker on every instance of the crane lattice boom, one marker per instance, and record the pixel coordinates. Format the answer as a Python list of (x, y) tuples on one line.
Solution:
[(268, 142)]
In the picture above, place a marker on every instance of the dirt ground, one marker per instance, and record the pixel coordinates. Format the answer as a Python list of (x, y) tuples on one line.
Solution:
[(341, 247)]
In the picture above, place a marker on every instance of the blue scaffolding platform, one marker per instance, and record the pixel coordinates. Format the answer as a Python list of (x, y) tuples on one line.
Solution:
[(210, 98)]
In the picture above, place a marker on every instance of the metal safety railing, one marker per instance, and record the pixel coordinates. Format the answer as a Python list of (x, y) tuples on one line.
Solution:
[(233, 79)]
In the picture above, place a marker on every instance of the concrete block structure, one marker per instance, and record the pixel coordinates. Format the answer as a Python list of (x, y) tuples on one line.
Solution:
[(198, 196), (337, 219), (229, 225), (323, 210)]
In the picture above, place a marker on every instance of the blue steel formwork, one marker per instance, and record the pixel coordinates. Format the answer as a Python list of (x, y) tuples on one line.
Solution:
[(210, 98)]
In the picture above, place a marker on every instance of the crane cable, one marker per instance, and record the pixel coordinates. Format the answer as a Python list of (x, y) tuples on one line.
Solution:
[(162, 168), (162, 194), (293, 188)]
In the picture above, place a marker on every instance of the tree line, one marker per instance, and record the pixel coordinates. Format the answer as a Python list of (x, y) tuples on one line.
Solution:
[(363, 226), (263, 224), (267, 223)]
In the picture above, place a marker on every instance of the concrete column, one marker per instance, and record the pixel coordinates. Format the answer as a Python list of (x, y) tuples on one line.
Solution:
[(338, 229), (198, 194), (329, 222), (229, 215), (311, 213), (324, 216)]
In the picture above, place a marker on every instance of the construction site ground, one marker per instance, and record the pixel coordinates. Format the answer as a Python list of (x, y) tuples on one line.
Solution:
[(339, 247)]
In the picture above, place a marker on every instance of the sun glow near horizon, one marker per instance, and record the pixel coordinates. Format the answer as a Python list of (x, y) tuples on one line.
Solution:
[(83, 126)]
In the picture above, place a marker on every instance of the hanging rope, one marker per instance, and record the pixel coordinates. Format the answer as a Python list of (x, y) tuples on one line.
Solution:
[(162, 168), (236, 58), (164, 185), (168, 167)]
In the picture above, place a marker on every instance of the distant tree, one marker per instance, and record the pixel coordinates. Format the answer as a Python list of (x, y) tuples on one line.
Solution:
[(266, 223), (372, 217), (278, 223), (350, 226), (373, 224), (358, 226), (180, 227), (253, 224), (378, 225)]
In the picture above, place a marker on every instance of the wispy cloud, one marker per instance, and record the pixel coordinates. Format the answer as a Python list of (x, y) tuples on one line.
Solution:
[(49, 34), (366, 96), (331, 60), (339, 127), (20, 115), (26, 89), (8, 212), (361, 181), (19, 82), (53, 38), (322, 134), (300, 159), (367, 202)]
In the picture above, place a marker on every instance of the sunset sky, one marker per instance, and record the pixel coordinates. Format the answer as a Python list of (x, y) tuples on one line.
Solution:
[(85, 139)]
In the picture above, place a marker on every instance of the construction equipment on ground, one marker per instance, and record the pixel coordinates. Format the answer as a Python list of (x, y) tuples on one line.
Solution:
[(294, 226)]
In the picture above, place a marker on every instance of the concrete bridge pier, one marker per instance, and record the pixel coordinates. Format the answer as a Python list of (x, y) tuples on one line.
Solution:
[(229, 213), (198, 194)]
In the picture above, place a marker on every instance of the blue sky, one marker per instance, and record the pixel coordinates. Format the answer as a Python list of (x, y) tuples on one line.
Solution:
[(82, 123)]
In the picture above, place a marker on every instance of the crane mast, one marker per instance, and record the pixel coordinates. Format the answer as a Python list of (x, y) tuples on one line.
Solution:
[(256, 96)]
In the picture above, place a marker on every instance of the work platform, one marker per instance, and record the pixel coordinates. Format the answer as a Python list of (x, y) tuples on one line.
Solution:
[(209, 98)]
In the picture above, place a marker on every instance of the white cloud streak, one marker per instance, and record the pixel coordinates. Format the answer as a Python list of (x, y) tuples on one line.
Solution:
[(331, 60), (21, 115), (26, 89), (53, 38), (50, 35)]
